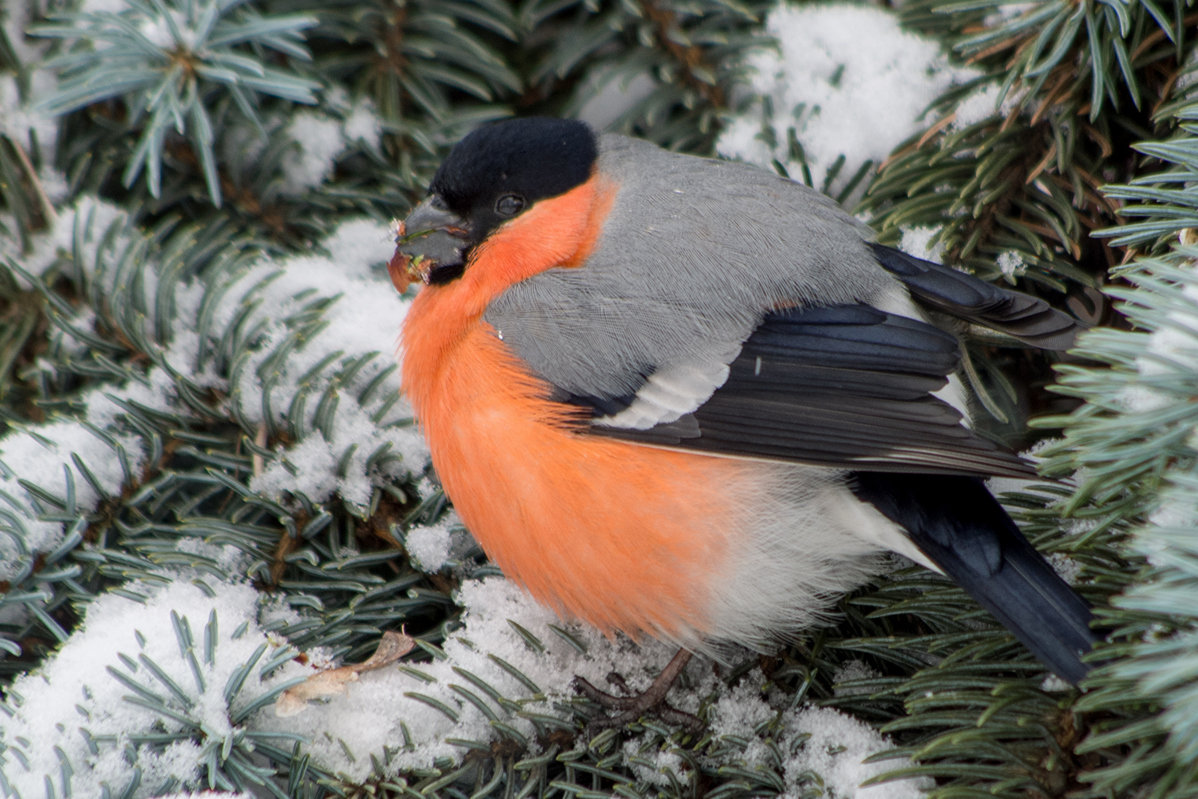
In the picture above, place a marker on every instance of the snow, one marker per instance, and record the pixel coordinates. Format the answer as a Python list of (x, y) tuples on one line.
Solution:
[(1173, 347), (308, 468), (652, 764), (23, 124), (1168, 358), (70, 462), (849, 672), (741, 711), (1167, 539), (1011, 264), (16, 17), (1069, 569), (839, 97), (360, 316), (103, 6), (1007, 12), (429, 545), (345, 732), (362, 124), (426, 707), (1175, 510), (920, 241), (360, 319), (319, 138), (76, 700), (85, 221), (814, 741), (986, 102), (1054, 684), (169, 32), (835, 748)]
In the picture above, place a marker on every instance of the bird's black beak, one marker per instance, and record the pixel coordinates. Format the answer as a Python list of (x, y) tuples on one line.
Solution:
[(430, 245)]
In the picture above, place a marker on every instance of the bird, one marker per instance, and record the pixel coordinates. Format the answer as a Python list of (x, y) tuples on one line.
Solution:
[(689, 399)]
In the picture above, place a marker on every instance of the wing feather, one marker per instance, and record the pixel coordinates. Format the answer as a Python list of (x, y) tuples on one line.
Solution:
[(1027, 318), (845, 386)]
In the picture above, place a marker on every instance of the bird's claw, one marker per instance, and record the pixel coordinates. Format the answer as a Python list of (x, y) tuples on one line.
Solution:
[(627, 709), (632, 706)]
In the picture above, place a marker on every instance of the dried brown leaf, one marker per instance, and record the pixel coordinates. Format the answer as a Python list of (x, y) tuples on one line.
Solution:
[(392, 646)]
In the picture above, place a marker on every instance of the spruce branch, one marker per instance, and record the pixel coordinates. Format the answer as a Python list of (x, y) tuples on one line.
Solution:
[(1067, 85), (696, 73), (1028, 187), (684, 56), (1134, 443), (173, 66), (21, 191), (433, 70), (1044, 38), (1164, 199)]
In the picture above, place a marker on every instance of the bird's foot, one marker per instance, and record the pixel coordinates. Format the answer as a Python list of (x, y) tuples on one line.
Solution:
[(628, 706)]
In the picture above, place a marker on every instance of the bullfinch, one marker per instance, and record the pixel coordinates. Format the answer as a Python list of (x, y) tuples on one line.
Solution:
[(687, 398)]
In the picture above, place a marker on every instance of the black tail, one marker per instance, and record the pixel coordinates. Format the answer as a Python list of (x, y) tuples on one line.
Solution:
[(960, 526)]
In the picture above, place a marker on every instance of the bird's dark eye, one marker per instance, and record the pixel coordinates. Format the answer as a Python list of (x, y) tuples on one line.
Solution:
[(509, 205)]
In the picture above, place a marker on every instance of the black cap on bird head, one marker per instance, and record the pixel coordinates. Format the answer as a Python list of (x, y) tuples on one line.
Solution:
[(537, 157), (491, 176)]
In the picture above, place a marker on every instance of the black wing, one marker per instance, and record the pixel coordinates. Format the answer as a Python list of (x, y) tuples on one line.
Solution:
[(942, 288), (845, 386)]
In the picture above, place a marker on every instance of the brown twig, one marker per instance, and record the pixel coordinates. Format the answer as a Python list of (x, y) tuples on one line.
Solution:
[(689, 57)]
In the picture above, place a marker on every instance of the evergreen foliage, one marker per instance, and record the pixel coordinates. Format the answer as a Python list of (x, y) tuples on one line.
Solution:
[(199, 414)]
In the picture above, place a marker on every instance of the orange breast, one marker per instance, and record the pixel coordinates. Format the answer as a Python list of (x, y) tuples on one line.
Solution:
[(619, 535)]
